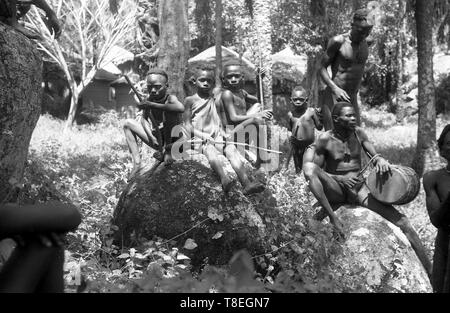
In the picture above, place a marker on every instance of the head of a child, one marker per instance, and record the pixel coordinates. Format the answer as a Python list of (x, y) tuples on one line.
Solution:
[(204, 79), (299, 98), (444, 143), (157, 83), (232, 75)]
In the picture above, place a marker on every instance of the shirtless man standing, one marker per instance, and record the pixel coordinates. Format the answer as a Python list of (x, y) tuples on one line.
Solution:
[(302, 122), (332, 165), (437, 190), (347, 55)]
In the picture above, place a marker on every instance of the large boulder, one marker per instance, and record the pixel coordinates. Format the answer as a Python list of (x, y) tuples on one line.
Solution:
[(376, 256), (185, 201)]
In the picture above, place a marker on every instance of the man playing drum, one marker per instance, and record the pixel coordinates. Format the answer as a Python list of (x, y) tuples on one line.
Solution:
[(332, 166), (437, 190)]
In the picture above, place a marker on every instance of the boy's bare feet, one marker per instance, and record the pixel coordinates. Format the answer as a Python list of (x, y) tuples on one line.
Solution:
[(252, 188), (227, 183)]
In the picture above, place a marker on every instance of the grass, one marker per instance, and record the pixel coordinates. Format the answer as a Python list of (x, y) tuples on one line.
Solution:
[(89, 165)]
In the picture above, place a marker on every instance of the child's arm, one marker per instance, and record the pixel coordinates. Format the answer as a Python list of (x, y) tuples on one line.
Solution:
[(228, 104), (53, 216), (172, 104)]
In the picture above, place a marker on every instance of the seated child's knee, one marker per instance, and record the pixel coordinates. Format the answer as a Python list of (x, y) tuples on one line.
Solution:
[(309, 169)]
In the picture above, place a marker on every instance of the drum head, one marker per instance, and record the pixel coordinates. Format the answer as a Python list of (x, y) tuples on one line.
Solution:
[(390, 187)]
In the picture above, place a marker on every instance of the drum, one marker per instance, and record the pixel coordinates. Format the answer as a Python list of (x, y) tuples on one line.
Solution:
[(400, 186)]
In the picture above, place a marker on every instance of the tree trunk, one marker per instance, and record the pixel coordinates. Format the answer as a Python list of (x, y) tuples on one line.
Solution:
[(174, 43), (218, 12), (263, 29), (426, 156), (20, 105)]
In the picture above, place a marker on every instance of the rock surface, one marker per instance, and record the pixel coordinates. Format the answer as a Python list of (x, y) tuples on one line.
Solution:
[(185, 200), (376, 256)]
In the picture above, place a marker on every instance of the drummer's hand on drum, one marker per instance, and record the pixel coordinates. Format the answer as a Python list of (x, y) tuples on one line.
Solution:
[(382, 166)]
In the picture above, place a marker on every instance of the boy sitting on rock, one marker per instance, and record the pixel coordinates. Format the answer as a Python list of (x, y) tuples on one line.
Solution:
[(202, 121), (166, 109)]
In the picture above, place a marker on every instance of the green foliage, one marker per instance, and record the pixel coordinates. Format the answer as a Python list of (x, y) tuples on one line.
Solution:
[(443, 95), (88, 166)]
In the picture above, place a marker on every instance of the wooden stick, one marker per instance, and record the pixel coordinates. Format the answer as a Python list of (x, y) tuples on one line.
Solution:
[(150, 115), (239, 144)]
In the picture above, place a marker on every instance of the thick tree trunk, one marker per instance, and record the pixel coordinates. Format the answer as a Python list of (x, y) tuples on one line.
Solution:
[(20, 105), (426, 156), (218, 12), (263, 30), (174, 42)]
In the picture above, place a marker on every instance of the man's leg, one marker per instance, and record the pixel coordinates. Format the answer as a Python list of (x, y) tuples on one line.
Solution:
[(354, 101), (213, 157), (327, 106), (233, 156), (395, 217), (440, 258), (324, 187), (134, 129)]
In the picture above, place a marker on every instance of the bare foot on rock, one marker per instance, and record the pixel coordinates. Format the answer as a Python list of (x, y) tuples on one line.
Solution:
[(252, 188), (227, 183)]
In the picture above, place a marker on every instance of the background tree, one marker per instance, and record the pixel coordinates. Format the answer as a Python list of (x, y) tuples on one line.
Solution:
[(174, 42), (90, 32), (426, 151)]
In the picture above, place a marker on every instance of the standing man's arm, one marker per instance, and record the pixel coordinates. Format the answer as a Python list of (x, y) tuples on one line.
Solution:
[(332, 51), (439, 212)]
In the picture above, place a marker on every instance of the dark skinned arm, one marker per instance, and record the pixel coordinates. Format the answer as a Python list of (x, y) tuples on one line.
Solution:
[(381, 164), (50, 217), (438, 211), (228, 104), (172, 104), (334, 44)]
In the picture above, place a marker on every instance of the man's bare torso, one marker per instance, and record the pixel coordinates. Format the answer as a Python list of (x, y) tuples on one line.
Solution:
[(348, 66), (342, 156)]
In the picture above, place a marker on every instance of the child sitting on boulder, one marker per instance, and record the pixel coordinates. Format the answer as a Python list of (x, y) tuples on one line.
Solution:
[(202, 121), (166, 109)]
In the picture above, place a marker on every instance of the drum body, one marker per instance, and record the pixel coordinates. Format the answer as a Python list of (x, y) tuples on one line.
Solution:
[(400, 186)]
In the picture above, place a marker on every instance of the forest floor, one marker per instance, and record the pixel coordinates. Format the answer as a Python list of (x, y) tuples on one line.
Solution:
[(90, 164)]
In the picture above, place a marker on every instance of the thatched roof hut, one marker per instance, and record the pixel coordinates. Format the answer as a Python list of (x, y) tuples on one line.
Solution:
[(288, 70), (208, 58)]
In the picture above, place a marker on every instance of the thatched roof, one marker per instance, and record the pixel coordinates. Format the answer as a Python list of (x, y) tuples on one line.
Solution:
[(208, 57), (288, 66), (108, 68)]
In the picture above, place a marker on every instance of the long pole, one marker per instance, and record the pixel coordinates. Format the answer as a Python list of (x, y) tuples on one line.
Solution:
[(150, 115), (219, 22)]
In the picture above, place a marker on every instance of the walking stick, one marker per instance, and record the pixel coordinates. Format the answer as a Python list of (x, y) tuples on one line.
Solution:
[(150, 115)]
